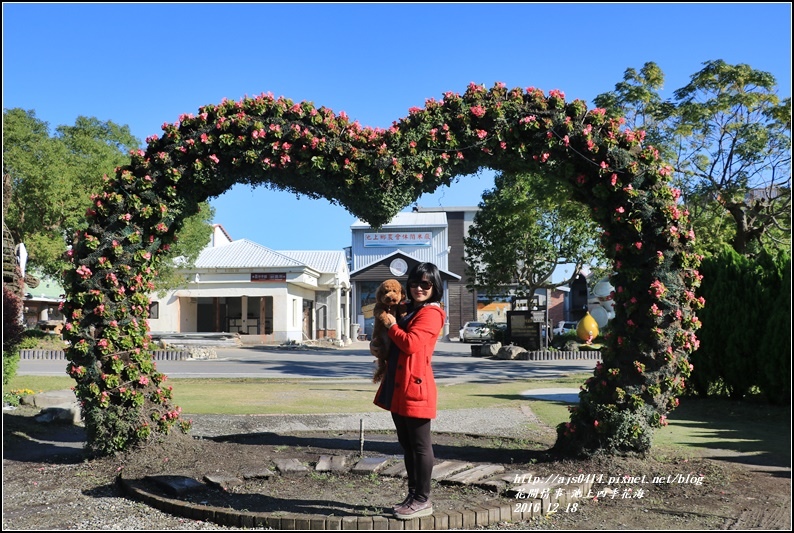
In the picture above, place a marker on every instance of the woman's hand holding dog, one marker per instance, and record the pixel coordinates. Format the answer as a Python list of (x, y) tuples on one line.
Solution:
[(388, 320)]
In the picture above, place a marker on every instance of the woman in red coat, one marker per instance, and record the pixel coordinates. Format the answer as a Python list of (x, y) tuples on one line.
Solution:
[(409, 388)]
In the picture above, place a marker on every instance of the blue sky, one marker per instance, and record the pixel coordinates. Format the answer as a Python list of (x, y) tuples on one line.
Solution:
[(145, 64)]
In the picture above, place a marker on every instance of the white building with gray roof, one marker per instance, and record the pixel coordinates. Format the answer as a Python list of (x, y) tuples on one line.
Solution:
[(263, 295)]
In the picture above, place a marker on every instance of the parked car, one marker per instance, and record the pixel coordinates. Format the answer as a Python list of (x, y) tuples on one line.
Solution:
[(475, 331), (564, 327)]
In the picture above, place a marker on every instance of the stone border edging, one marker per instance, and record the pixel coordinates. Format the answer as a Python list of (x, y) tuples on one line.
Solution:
[(157, 355), (468, 518), (550, 355)]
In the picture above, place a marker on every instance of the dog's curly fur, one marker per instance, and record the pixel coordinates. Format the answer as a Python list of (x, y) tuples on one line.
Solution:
[(390, 298)]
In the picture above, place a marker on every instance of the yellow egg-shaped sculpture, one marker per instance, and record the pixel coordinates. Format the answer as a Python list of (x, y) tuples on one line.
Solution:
[(587, 328)]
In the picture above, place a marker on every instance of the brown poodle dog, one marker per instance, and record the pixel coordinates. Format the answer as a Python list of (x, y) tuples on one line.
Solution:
[(390, 298)]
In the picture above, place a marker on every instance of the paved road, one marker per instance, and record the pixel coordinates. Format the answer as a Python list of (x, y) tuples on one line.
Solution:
[(452, 362)]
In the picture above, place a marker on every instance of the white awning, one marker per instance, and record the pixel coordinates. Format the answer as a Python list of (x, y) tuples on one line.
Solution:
[(228, 292)]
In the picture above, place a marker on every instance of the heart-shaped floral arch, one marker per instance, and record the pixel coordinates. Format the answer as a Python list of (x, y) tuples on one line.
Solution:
[(374, 173)]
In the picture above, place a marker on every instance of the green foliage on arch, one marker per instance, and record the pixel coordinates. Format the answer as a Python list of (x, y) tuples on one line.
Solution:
[(374, 173)]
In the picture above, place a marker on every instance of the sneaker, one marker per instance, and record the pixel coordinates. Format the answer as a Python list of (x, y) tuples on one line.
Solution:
[(403, 503), (414, 509)]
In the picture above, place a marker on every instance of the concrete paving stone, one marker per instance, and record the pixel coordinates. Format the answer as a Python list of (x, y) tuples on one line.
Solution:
[(177, 485), (331, 463), (264, 473), (493, 484), (291, 467), (223, 481), (368, 465), (396, 470), (447, 468), (473, 475)]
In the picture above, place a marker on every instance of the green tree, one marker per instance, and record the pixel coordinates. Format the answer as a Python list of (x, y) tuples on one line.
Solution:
[(53, 177), (740, 310), (729, 136), (522, 232), (746, 334), (775, 345), (45, 208), (735, 147), (637, 102)]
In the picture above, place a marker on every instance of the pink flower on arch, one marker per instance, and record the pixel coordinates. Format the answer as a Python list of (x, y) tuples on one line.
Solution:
[(658, 289), (477, 111), (83, 271)]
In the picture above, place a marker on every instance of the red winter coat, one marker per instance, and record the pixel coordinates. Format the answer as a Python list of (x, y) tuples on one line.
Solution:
[(414, 393)]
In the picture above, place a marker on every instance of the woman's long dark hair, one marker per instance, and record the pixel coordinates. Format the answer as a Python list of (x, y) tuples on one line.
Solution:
[(427, 272)]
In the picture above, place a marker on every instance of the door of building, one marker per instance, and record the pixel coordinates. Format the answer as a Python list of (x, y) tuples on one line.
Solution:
[(308, 323)]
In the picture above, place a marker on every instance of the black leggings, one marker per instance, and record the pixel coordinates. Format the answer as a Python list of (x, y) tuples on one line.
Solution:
[(413, 435)]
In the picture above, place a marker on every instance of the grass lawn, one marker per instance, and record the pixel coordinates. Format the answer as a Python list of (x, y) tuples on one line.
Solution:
[(697, 424)]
